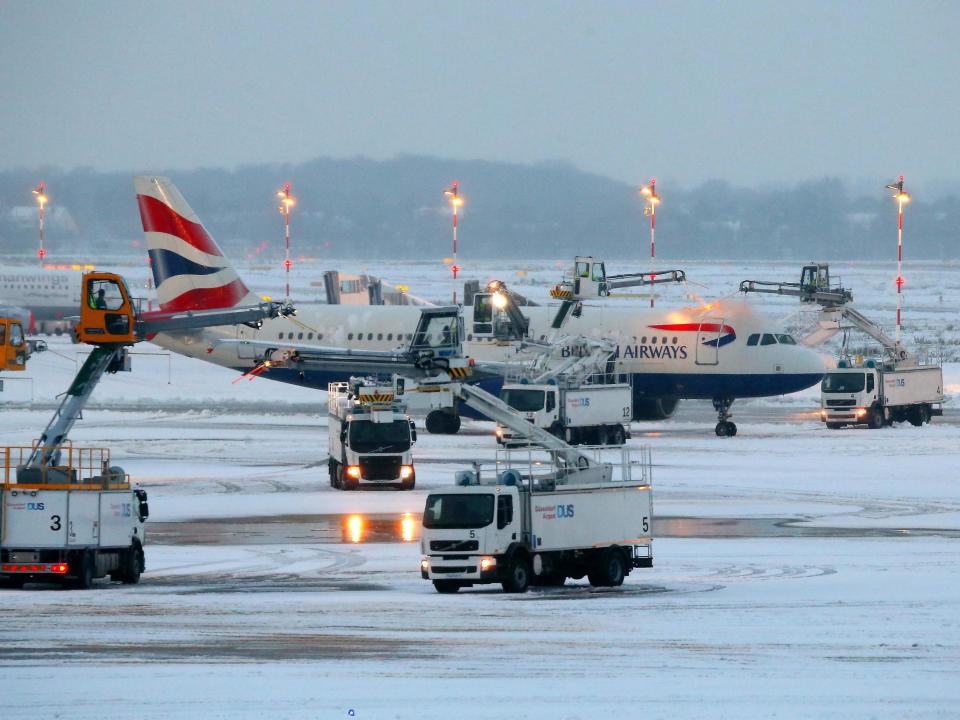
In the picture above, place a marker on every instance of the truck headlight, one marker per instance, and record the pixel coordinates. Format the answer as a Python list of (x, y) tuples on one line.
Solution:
[(823, 414), (406, 471), (487, 562), (499, 432), (425, 565), (861, 412), (353, 471)]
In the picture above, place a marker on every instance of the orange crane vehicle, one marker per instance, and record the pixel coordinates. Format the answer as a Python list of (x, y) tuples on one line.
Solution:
[(67, 514), (15, 349)]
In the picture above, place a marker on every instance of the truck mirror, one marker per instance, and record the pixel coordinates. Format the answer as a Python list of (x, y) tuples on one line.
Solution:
[(343, 435), (143, 508), (401, 386), (413, 431)]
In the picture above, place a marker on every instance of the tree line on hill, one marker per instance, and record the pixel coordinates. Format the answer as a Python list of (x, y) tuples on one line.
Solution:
[(357, 207)]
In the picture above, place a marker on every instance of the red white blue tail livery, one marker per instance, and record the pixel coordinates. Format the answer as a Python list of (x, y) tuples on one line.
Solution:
[(189, 269)]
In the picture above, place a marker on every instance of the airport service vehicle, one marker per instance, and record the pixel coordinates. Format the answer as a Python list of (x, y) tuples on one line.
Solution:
[(671, 353), (15, 350), (71, 522), (370, 436), (595, 413), (69, 513), (877, 394), (539, 522)]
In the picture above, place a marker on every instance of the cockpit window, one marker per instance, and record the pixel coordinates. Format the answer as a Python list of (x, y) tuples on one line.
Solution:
[(753, 339), (786, 340), (768, 339)]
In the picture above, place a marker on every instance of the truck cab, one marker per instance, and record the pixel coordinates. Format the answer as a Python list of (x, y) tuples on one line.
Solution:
[(850, 396), (107, 313), (13, 345), (370, 437), (470, 528)]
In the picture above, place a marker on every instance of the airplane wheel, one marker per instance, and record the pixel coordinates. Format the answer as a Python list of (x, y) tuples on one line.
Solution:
[(440, 422), (721, 429), (731, 429)]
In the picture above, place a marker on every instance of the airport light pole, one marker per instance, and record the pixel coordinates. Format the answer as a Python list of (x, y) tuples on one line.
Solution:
[(287, 201), (649, 194), (902, 199), (40, 193), (453, 195)]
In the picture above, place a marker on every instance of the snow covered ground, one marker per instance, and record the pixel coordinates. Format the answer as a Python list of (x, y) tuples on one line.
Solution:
[(799, 572)]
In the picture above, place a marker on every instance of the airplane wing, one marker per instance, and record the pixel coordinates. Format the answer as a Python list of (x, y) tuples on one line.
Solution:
[(351, 360)]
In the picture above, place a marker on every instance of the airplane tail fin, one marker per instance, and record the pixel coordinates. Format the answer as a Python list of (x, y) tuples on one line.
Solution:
[(189, 269)]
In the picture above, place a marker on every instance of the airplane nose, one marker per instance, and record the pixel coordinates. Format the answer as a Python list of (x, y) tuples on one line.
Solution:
[(812, 363)]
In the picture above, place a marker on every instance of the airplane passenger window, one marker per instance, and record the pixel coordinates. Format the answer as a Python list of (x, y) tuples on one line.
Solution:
[(309, 336), (768, 339), (786, 340), (299, 336), (289, 336), (663, 341), (753, 339), (379, 336), (674, 340), (389, 336), (319, 336), (350, 336), (280, 336), (369, 336), (469, 337)]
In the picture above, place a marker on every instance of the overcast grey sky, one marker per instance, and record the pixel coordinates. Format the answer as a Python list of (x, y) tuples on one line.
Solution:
[(753, 92)]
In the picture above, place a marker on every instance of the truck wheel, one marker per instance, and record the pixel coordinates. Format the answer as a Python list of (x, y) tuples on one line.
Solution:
[(518, 575), (132, 562), (84, 579), (610, 570), (446, 586), (619, 436), (13, 582), (875, 421), (409, 484), (332, 469), (834, 426)]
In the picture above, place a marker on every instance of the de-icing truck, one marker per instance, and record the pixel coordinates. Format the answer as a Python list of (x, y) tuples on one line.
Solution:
[(539, 524), (370, 436)]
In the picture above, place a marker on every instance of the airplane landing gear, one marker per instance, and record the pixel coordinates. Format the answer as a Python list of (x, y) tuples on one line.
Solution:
[(442, 422), (725, 428)]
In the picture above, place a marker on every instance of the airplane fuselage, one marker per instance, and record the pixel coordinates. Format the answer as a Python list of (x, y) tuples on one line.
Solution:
[(689, 353)]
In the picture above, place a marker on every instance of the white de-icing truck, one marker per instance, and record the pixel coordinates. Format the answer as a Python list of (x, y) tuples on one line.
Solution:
[(591, 414), (370, 436), (539, 525), (70, 523), (878, 393)]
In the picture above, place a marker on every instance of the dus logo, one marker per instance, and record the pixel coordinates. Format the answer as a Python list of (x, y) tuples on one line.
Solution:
[(35, 506), (564, 511)]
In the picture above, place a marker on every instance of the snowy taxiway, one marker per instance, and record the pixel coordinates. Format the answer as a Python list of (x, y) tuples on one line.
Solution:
[(799, 572)]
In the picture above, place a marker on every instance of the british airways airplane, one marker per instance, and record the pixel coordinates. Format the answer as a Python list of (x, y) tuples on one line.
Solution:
[(719, 352)]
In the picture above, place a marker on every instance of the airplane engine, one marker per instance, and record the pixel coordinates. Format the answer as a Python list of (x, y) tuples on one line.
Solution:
[(649, 408)]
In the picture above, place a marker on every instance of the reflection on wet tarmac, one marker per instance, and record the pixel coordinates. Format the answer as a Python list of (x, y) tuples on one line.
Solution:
[(394, 528)]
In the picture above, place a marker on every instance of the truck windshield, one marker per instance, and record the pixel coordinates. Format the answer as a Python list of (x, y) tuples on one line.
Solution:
[(523, 400), (367, 436), (458, 511), (842, 382)]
